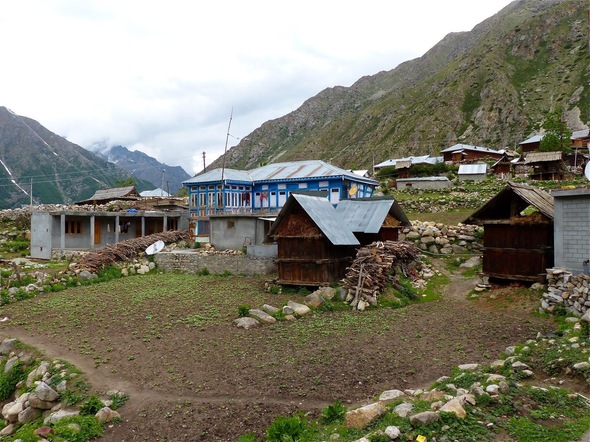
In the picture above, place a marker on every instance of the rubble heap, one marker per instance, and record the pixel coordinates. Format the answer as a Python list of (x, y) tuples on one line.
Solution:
[(568, 291)]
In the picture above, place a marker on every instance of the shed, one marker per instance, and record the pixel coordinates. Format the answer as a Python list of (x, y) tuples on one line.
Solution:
[(474, 172), (545, 165), (432, 182), (373, 219), (503, 167), (516, 246), (314, 246)]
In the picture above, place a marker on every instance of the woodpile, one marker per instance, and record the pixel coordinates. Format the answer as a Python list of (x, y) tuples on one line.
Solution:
[(375, 266), (127, 250)]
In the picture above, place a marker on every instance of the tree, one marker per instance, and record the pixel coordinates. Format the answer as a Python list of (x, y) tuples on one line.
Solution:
[(125, 182), (557, 135)]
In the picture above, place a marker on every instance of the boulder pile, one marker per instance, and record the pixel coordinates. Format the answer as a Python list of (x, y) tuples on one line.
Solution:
[(566, 291), (437, 238)]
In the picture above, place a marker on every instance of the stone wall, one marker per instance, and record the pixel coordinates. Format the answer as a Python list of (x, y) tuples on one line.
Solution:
[(188, 261), (441, 239), (566, 290)]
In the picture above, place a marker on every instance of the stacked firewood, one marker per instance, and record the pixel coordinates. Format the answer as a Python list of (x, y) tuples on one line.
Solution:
[(375, 266), (127, 250)]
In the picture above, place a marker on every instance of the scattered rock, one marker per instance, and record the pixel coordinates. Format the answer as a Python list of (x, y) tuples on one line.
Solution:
[(363, 416)]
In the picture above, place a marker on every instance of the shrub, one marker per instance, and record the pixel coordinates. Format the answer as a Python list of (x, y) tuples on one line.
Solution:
[(118, 400), (243, 311), (85, 428), (91, 406), (204, 272), (9, 380), (286, 429), (333, 413)]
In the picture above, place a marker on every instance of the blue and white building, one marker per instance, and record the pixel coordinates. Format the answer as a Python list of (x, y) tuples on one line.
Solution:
[(265, 190)]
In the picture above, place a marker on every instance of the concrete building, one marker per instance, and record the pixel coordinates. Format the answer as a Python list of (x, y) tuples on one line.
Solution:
[(63, 230), (572, 229), (432, 182)]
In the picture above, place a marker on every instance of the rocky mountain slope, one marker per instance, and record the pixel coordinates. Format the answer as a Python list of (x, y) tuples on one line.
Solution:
[(58, 170), (491, 86), (143, 166)]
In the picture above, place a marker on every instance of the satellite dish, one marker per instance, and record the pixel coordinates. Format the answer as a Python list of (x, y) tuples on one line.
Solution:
[(156, 247), (353, 190), (587, 171)]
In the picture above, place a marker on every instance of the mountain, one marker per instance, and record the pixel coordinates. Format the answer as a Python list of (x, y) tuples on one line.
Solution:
[(491, 86), (59, 171), (168, 178)]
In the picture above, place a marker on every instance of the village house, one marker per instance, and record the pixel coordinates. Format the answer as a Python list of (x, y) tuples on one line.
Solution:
[(430, 182), (265, 190), (472, 172), (108, 217), (545, 165), (460, 153), (517, 245), (403, 166), (316, 241)]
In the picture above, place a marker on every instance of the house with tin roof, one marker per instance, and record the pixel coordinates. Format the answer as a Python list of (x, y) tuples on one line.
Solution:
[(473, 172), (408, 162), (265, 190), (460, 153)]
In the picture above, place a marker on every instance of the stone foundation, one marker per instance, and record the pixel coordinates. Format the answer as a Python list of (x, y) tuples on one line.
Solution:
[(187, 261)]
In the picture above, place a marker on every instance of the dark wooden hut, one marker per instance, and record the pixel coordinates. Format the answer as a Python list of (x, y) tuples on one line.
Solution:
[(314, 246), (516, 246), (373, 219), (545, 165)]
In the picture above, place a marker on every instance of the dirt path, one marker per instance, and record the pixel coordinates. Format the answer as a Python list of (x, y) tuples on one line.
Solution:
[(215, 383)]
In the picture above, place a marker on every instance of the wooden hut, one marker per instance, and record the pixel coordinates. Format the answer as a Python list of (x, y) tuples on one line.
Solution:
[(373, 219), (516, 246), (314, 246), (545, 165)]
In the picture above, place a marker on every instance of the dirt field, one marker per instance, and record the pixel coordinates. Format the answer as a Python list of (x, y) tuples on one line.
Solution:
[(168, 341)]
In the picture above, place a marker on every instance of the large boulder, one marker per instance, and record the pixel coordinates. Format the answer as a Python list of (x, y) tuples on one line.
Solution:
[(363, 416)]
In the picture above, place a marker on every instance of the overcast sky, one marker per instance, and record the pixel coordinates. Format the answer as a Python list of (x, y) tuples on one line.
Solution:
[(163, 76)]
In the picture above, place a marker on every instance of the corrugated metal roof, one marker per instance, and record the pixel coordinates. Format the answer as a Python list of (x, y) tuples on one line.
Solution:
[(538, 157), (424, 159), (533, 139), (294, 170), (303, 169), (323, 214), (460, 146), (367, 216), (155, 192), (214, 176), (473, 169)]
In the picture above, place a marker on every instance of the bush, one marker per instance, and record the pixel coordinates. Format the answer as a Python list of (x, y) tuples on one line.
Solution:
[(118, 400), (9, 380), (89, 428), (204, 272), (334, 413), (243, 311), (286, 429), (91, 406)]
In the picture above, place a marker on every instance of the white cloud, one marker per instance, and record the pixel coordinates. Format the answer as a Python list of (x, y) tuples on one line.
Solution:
[(163, 77)]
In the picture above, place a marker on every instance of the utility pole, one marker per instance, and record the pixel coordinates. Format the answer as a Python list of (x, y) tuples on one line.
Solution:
[(203, 161), (31, 195)]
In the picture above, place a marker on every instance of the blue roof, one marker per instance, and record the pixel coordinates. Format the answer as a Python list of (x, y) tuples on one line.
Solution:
[(289, 171)]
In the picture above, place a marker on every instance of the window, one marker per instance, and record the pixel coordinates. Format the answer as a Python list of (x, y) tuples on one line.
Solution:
[(172, 224), (74, 227), (231, 225)]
